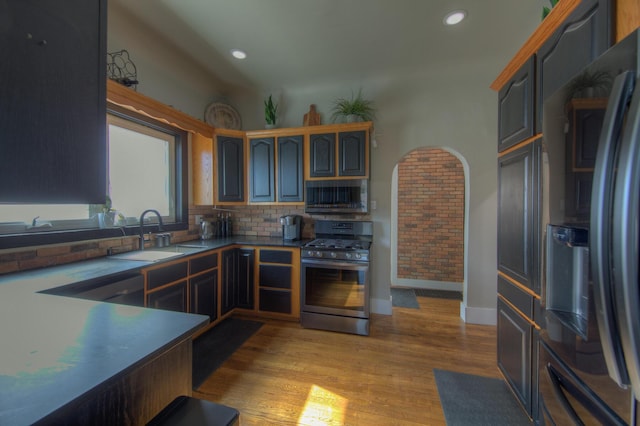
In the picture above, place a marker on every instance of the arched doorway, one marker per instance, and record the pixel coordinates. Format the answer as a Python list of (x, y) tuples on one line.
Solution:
[(428, 220)]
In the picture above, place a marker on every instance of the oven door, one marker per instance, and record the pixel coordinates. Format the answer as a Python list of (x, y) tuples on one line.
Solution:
[(335, 287)]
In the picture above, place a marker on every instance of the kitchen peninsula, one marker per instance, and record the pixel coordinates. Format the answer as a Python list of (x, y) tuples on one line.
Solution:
[(66, 360)]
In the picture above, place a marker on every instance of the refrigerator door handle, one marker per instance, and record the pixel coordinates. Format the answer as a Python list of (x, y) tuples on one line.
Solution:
[(626, 209), (562, 386), (600, 226)]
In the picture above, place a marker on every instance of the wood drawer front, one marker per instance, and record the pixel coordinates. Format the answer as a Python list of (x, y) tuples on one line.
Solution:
[(521, 300), (275, 276), (203, 263), (166, 274), (275, 301), (276, 256)]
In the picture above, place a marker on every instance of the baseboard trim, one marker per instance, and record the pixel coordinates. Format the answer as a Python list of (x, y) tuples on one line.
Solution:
[(482, 316), (381, 306)]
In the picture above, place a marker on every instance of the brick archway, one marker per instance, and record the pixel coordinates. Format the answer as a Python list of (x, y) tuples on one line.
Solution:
[(430, 217)]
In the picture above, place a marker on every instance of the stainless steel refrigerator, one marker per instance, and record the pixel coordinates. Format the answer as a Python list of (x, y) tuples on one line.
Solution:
[(589, 353)]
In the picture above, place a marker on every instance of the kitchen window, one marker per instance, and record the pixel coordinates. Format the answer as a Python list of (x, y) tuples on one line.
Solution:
[(147, 169)]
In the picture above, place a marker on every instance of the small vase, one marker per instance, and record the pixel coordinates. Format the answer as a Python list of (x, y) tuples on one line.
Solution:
[(352, 118), (269, 126)]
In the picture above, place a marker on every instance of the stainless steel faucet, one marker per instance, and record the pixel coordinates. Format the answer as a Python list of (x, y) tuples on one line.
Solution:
[(142, 224)]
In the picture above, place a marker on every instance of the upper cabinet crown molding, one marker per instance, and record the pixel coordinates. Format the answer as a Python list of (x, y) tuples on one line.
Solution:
[(128, 98), (627, 19), (546, 28)]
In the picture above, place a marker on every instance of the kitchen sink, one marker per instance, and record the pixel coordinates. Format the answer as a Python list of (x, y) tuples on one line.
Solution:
[(147, 255)]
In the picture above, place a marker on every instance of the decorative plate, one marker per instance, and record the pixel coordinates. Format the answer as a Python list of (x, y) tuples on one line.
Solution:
[(223, 116)]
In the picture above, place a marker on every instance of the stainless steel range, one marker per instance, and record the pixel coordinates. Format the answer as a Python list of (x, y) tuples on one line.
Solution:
[(335, 277)]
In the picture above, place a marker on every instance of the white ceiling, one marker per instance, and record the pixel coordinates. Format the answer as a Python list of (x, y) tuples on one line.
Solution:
[(296, 43)]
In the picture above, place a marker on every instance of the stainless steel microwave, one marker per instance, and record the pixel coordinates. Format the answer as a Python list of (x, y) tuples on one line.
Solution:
[(339, 196)]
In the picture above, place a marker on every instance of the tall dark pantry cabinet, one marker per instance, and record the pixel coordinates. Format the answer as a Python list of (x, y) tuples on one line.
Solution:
[(577, 33)]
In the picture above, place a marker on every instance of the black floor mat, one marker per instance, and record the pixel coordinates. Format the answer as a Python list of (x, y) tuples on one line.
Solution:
[(440, 294)]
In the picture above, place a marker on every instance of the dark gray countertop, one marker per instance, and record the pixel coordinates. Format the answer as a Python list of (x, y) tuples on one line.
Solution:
[(56, 349)]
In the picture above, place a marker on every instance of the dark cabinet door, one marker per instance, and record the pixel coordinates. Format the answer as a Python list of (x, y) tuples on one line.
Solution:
[(229, 280), (230, 168), (515, 352), (261, 170), (167, 274), (290, 177), (322, 155), (172, 298), (274, 300), (245, 283), (584, 36), (516, 107), (204, 294), (518, 216), (52, 101), (352, 146)]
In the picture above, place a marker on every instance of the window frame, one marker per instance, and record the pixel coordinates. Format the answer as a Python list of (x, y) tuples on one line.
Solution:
[(181, 196)]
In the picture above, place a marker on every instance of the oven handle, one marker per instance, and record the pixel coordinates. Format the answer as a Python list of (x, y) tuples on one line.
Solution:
[(335, 264)]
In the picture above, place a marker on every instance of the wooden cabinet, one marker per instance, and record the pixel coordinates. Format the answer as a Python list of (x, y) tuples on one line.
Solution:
[(279, 282), (582, 37), (203, 285), (271, 162), (237, 279), (516, 106), (231, 172), (518, 214), (245, 285), (352, 153), (290, 169), (515, 348), (262, 170), (171, 298), (322, 155), (186, 285), (52, 101), (343, 153), (229, 279), (203, 291)]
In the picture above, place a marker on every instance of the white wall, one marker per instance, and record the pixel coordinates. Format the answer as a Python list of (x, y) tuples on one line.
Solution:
[(164, 72)]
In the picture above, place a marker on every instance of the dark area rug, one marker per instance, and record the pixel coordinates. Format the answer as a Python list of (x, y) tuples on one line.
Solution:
[(404, 298), (474, 400), (213, 348), (439, 294)]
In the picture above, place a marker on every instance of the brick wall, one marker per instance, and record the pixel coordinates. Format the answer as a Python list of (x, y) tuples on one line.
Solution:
[(430, 216)]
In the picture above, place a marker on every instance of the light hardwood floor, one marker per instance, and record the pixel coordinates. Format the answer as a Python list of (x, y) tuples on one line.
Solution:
[(287, 375)]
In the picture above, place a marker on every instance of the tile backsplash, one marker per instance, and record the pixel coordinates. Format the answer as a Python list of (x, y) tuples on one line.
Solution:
[(250, 221)]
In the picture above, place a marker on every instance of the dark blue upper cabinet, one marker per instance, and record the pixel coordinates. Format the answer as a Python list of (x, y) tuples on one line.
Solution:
[(516, 107), (261, 170), (53, 101), (230, 169), (352, 147), (290, 170), (322, 155), (583, 36)]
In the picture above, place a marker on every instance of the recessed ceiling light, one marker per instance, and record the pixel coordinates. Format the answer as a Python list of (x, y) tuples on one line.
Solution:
[(238, 54), (454, 17)]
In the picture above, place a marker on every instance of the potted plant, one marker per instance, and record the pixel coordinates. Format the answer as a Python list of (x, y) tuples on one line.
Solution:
[(589, 85), (355, 109), (270, 110)]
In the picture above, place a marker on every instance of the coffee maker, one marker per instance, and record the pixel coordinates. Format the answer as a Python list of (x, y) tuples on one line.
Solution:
[(290, 227)]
